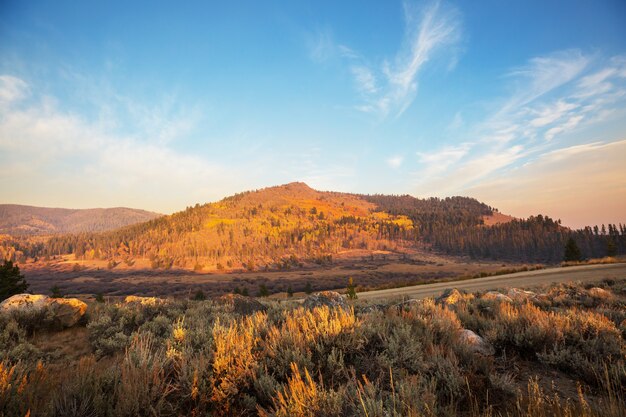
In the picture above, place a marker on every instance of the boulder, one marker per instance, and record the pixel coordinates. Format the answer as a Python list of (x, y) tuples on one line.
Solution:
[(144, 301), (371, 308), (521, 295), (495, 295), (24, 301), (600, 293), (325, 298), (405, 305), (451, 297), (241, 304), (475, 343), (67, 311)]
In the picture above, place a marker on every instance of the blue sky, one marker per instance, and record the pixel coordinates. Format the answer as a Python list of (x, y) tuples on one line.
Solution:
[(160, 105)]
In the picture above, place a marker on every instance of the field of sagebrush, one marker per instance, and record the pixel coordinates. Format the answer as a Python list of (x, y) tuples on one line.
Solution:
[(557, 352)]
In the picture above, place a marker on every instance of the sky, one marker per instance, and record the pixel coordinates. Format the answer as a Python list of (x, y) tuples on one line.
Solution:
[(161, 105)]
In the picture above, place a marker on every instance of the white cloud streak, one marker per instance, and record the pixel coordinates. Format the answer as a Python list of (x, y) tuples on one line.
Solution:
[(553, 97), (389, 88)]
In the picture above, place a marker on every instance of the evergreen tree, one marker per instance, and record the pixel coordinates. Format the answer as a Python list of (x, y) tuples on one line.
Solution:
[(307, 288), (572, 251), (263, 291), (11, 281), (351, 289), (611, 249), (55, 292), (199, 295), (289, 291)]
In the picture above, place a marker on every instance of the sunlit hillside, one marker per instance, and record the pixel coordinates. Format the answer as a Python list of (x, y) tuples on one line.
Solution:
[(28, 220), (290, 225)]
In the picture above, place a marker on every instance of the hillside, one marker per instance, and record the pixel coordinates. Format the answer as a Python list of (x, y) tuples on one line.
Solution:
[(286, 226), (28, 220)]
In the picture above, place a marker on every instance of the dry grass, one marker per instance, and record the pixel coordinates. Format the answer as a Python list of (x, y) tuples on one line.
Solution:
[(196, 359)]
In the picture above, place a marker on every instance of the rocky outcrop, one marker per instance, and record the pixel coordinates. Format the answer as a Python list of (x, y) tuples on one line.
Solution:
[(495, 295), (600, 293), (521, 295), (144, 301), (475, 343), (240, 304), (451, 297), (66, 312), (325, 298), (24, 301)]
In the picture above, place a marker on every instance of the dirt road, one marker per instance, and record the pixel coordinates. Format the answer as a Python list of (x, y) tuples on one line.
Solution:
[(519, 279)]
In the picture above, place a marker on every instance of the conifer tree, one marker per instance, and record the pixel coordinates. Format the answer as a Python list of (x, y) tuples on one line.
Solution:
[(351, 289), (11, 281), (572, 251)]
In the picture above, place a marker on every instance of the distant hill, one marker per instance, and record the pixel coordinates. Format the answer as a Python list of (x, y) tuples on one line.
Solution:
[(28, 220), (285, 226)]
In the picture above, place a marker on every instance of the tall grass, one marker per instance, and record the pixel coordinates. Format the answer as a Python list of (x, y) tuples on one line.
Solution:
[(197, 359)]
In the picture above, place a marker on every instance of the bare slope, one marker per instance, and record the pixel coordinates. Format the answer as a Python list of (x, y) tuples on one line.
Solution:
[(29, 220)]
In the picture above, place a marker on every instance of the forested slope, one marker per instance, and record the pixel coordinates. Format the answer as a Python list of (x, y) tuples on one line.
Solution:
[(284, 226)]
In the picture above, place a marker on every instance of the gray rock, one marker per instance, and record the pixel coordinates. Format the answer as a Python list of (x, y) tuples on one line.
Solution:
[(495, 295), (66, 311), (24, 302), (475, 343), (241, 304), (451, 297), (521, 295), (325, 298)]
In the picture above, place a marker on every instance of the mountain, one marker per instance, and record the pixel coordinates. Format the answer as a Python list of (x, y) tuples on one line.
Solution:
[(28, 220), (289, 225)]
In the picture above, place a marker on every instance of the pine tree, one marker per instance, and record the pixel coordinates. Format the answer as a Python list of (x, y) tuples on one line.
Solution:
[(611, 249), (55, 292), (11, 281), (351, 289), (199, 295), (263, 291), (289, 291), (572, 251), (307, 288)]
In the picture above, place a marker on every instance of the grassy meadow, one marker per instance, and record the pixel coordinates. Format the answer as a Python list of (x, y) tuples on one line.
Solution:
[(557, 353)]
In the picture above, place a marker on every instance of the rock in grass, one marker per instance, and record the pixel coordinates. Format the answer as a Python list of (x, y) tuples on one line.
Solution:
[(521, 295), (66, 311), (240, 304), (325, 298), (451, 297), (475, 343), (24, 302), (144, 301), (495, 295), (600, 293)]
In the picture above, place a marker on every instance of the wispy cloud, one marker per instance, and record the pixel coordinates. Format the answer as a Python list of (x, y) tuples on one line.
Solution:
[(550, 98), (428, 31), (395, 161), (12, 89), (389, 88), (544, 74), (572, 183), (365, 80), (71, 158)]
